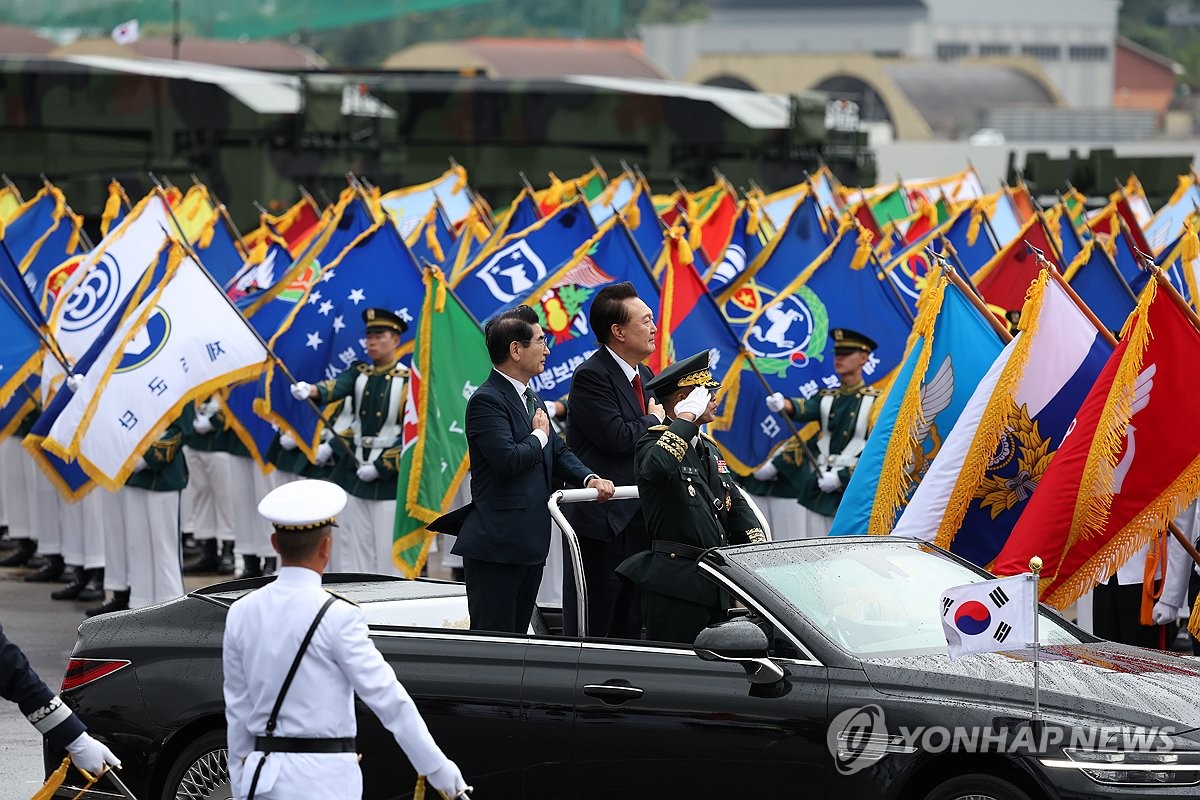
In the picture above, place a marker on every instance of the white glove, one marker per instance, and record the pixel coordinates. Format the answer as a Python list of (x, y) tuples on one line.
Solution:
[(90, 755), (695, 403), (287, 442), (448, 780), (74, 381), (776, 401), (140, 465), (551, 408), (829, 481), (202, 425), (1164, 614), (301, 390), (367, 473), (324, 453), (767, 472)]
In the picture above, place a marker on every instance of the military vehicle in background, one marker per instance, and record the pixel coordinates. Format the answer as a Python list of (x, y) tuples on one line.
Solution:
[(1098, 173), (258, 136)]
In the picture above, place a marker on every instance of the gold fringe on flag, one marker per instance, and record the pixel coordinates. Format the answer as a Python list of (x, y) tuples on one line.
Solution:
[(1096, 488), (1194, 619), (895, 478), (460, 173), (976, 222), (994, 421), (206, 233), (1085, 255), (1189, 251), (753, 216)]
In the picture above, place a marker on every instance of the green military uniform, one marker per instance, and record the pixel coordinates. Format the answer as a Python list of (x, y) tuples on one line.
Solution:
[(166, 468), (691, 503), (843, 423), (376, 395)]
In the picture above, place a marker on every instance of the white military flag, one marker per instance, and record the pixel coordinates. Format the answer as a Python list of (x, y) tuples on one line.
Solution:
[(989, 616), (184, 341)]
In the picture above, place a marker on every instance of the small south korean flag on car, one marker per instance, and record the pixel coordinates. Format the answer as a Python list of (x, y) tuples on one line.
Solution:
[(989, 616)]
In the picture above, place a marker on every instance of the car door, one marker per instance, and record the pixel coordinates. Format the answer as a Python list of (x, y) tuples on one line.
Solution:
[(657, 721), (548, 714), (467, 686)]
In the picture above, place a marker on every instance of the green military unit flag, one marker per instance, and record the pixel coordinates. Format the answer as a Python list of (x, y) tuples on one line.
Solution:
[(449, 360)]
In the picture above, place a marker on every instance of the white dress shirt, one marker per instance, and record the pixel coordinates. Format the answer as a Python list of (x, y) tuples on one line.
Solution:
[(630, 371), (263, 632)]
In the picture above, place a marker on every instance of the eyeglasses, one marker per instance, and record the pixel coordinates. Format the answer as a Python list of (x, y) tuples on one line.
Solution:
[(538, 341)]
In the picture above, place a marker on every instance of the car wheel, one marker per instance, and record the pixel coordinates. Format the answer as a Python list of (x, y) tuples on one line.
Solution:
[(201, 772), (977, 786)]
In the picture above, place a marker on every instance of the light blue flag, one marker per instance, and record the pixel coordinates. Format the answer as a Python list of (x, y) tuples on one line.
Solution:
[(954, 348), (1168, 222)]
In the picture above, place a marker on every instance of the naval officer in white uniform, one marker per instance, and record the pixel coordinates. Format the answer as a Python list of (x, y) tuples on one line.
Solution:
[(303, 746)]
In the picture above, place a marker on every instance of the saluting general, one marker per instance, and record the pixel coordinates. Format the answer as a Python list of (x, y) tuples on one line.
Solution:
[(295, 657), (374, 407), (844, 415), (690, 502)]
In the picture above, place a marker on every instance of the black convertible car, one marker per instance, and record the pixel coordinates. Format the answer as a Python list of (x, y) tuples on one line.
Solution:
[(830, 678)]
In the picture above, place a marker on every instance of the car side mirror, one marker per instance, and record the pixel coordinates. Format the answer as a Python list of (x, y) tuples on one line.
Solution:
[(739, 641)]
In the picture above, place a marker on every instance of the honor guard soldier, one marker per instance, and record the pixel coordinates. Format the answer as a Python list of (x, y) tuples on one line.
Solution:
[(295, 656), (690, 503), (47, 712), (374, 395), (844, 415)]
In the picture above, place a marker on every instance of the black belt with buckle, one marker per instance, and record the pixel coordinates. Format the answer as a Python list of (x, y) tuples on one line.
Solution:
[(297, 744), (677, 549)]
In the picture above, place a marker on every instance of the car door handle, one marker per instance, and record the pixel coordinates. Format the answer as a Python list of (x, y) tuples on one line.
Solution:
[(612, 693)]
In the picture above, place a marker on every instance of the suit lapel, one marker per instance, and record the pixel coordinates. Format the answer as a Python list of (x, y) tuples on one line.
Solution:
[(623, 386)]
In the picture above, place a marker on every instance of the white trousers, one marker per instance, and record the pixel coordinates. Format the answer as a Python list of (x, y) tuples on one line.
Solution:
[(142, 552), (21, 479), (261, 530), (83, 527), (49, 515), (788, 519), (210, 489), (247, 534), (363, 540)]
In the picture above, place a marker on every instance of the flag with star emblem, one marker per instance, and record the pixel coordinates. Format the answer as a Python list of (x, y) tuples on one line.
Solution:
[(325, 335), (449, 362)]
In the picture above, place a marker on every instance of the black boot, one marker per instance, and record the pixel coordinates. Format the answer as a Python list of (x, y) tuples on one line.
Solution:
[(251, 567), (270, 565), (207, 560), (119, 602), (20, 557), (50, 572), (71, 590), (191, 547), (70, 573), (225, 564), (6, 541), (93, 590)]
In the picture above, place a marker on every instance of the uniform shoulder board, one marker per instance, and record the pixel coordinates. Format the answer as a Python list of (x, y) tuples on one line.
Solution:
[(658, 428), (827, 391), (869, 390), (400, 371), (341, 597), (362, 367), (710, 439)]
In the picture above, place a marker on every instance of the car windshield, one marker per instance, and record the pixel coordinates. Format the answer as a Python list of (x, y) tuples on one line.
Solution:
[(874, 598)]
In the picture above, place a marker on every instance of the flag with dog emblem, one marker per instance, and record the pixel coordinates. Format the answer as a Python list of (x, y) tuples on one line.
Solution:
[(989, 616)]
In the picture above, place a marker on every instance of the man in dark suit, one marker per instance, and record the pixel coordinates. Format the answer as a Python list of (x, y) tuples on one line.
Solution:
[(504, 536), (608, 412)]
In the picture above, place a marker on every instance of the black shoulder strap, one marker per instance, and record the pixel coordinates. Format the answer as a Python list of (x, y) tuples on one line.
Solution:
[(287, 682)]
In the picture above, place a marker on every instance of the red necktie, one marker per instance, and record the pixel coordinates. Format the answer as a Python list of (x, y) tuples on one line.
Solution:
[(637, 389)]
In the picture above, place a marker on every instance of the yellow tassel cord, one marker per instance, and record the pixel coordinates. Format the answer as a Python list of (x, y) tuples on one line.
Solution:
[(1194, 619), (632, 212), (753, 216), (206, 233), (1189, 251), (894, 478), (1154, 518), (460, 173), (431, 241), (975, 224), (695, 236), (419, 789), (1156, 555), (994, 421), (1095, 496), (112, 207), (862, 253), (553, 195), (1085, 255)]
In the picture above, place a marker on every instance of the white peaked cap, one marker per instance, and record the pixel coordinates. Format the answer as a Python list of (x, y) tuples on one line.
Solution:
[(303, 505)]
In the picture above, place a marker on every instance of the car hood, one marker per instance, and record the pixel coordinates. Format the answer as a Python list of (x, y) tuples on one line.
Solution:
[(1101, 681)]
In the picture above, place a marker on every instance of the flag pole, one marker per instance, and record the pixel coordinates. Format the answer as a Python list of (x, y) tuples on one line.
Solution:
[(1035, 571)]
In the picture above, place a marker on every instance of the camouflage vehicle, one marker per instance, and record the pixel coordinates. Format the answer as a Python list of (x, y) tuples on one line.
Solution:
[(1098, 173), (258, 136)]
